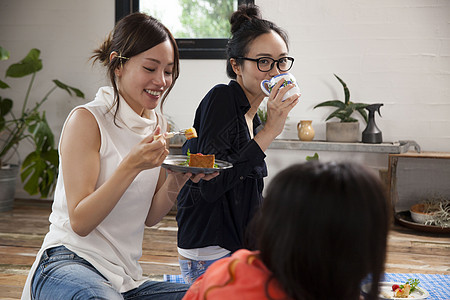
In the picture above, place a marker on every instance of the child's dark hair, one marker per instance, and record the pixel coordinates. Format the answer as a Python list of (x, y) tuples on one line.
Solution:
[(246, 26), (131, 36), (323, 228)]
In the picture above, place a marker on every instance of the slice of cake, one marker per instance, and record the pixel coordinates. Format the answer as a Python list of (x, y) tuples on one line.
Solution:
[(190, 133), (201, 160), (402, 292)]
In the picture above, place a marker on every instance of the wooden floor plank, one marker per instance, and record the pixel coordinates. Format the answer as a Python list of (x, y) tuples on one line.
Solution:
[(22, 231)]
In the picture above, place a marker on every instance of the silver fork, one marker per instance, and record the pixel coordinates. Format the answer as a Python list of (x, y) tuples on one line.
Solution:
[(171, 134), (174, 133)]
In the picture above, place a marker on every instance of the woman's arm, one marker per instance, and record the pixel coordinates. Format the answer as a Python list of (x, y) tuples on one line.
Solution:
[(165, 196), (168, 187), (80, 145)]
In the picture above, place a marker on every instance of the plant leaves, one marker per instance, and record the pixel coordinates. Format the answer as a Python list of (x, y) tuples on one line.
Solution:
[(343, 114), (41, 132), (349, 120), (40, 167), (64, 86), (4, 54), (338, 113), (314, 157), (345, 109), (3, 85), (39, 171), (32, 166), (363, 113), (335, 103), (52, 157), (262, 114), (346, 90), (5, 106), (29, 65), (357, 106)]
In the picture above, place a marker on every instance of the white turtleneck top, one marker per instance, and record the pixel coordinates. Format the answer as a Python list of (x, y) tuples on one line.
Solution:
[(115, 245)]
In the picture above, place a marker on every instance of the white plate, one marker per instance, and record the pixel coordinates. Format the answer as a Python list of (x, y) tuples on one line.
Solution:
[(175, 164), (386, 291)]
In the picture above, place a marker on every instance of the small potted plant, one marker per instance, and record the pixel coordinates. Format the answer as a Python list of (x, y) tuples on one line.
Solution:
[(39, 168), (347, 130)]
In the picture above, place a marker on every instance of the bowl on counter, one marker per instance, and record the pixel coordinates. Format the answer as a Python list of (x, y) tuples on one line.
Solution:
[(418, 213)]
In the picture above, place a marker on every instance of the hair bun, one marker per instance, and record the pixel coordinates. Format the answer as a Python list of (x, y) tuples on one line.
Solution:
[(245, 12)]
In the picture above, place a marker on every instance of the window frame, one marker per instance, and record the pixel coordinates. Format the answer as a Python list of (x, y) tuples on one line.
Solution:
[(189, 48)]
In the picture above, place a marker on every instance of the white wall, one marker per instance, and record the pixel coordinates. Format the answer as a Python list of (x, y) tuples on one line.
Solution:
[(393, 52)]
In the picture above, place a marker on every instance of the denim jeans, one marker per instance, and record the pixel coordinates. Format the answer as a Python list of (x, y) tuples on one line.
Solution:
[(193, 269), (62, 274)]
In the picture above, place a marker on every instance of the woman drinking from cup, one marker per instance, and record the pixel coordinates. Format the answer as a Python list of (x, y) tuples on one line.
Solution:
[(212, 216)]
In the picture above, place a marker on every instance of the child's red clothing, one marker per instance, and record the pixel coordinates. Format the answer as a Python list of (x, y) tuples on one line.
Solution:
[(241, 276)]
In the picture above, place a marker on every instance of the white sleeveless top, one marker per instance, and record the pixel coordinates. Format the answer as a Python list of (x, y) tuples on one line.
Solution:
[(115, 245)]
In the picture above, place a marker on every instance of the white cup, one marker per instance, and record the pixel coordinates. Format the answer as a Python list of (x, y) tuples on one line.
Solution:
[(288, 79)]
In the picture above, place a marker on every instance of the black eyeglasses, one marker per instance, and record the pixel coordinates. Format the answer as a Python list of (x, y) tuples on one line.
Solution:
[(265, 64)]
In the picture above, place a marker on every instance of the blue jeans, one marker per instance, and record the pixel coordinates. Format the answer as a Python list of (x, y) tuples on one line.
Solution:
[(193, 269), (62, 274)]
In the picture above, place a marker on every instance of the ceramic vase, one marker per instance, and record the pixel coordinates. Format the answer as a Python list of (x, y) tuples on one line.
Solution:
[(305, 130)]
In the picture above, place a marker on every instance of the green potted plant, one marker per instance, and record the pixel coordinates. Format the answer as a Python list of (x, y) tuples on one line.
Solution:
[(39, 168), (262, 114), (347, 130)]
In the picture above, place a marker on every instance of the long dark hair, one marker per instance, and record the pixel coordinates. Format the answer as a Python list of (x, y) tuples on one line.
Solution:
[(131, 36), (246, 25), (323, 228)]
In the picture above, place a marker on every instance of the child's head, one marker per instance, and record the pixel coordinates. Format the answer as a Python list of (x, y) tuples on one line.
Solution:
[(132, 35), (323, 228)]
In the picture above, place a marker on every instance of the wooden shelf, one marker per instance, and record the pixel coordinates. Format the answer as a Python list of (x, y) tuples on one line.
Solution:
[(389, 147)]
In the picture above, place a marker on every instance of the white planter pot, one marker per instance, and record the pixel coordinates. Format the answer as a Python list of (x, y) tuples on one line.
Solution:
[(8, 178), (343, 132)]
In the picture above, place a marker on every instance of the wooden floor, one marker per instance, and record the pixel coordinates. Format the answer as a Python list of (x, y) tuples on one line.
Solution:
[(22, 231)]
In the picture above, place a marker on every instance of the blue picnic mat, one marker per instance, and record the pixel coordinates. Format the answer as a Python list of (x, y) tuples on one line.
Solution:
[(173, 278), (437, 285)]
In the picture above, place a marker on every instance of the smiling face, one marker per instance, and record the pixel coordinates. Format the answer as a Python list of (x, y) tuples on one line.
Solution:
[(248, 76), (143, 79)]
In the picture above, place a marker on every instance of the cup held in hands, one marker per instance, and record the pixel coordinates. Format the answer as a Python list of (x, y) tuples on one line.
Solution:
[(267, 85)]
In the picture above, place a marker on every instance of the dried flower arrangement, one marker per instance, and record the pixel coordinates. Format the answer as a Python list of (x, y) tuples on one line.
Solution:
[(437, 209)]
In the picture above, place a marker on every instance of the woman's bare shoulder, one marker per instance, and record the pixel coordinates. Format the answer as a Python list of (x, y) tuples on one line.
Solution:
[(81, 126)]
